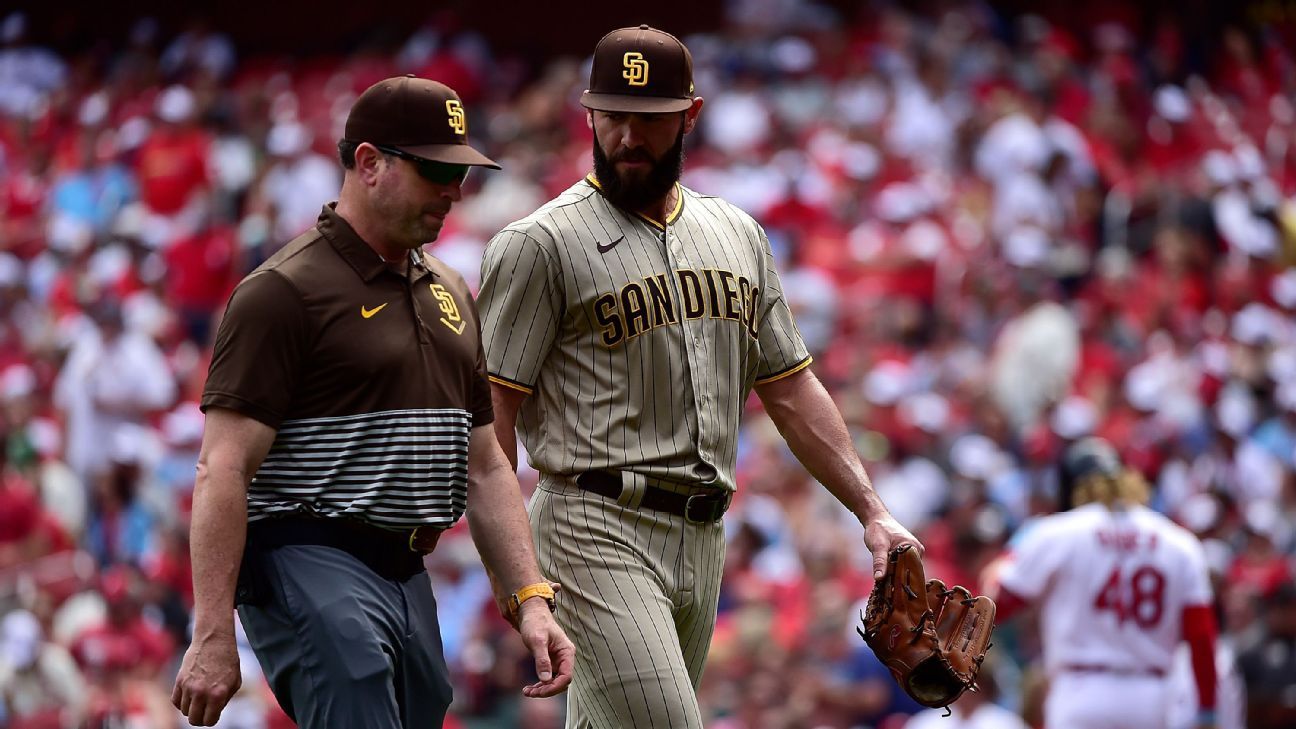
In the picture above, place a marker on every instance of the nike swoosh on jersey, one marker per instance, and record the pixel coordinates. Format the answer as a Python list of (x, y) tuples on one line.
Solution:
[(366, 313), (604, 248)]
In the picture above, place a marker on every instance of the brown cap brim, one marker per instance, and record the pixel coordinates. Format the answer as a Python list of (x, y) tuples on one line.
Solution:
[(455, 154), (633, 104)]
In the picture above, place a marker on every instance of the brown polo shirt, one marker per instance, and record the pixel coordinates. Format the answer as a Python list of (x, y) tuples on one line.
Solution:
[(372, 378)]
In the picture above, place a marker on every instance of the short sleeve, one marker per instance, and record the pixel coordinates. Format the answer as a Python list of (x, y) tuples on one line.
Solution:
[(1034, 554), (483, 411), (782, 351), (261, 345), (1197, 580), (521, 308)]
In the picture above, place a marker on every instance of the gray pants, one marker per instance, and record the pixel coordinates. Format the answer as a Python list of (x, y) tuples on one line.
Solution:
[(343, 647)]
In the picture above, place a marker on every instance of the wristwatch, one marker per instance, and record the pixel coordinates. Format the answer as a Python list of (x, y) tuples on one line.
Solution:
[(539, 589)]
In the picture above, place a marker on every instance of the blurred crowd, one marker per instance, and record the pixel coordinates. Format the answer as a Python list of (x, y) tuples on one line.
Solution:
[(998, 233)]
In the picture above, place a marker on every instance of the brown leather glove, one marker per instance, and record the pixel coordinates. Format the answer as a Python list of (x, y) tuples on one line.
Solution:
[(932, 639)]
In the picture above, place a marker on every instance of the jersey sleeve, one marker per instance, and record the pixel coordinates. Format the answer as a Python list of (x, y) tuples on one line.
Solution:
[(1034, 555), (260, 346), (782, 351), (521, 308), (1197, 583)]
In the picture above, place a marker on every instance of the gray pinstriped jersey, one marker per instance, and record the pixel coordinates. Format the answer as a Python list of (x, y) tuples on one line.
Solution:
[(637, 343)]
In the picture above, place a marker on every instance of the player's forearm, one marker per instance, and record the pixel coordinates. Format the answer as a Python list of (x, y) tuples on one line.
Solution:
[(507, 437), (218, 533), (813, 428), (505, 403), (1200, 632), (498, 522), (232, 449)]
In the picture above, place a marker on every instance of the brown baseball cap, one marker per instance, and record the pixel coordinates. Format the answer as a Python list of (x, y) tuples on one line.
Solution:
[(415, 115), (640, 70)]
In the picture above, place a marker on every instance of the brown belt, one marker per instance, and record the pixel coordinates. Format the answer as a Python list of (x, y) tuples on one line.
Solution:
[(700, 508)]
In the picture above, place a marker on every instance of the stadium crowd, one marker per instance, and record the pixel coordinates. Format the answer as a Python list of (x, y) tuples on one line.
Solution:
[(998, 236)]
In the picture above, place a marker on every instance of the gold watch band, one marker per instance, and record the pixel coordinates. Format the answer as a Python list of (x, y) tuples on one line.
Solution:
[(539, 589)]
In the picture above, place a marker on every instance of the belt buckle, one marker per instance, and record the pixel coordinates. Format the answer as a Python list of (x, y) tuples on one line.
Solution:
[(717, 508), (425, 548)]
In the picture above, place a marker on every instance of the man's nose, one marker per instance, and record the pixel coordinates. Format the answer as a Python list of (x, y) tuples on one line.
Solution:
[(631, 137)]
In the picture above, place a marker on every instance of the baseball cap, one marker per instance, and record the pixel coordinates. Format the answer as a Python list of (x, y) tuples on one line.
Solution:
[(1082, 459), (640, 70), (417, 116)]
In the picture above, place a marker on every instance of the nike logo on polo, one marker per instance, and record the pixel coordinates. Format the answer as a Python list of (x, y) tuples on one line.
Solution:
[(366, 313), (604, 248)]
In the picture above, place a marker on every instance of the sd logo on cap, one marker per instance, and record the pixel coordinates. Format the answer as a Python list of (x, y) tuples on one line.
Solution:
[(640, 70), (417, 116)]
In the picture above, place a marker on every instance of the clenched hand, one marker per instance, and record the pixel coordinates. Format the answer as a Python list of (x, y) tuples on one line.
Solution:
[(209, 676)]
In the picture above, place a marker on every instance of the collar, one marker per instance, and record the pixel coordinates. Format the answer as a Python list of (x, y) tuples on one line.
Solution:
[(671, 217), (365, 260)]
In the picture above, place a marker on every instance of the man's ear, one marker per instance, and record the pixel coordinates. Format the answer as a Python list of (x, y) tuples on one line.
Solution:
[(369, 163), (589, 119), (691, 114)]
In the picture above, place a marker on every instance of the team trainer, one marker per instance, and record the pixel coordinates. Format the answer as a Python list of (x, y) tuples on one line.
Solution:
[(348, 424), (625, 323)]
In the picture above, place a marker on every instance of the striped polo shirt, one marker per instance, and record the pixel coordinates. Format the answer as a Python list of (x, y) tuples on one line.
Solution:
[(637, 342), (373, 379)]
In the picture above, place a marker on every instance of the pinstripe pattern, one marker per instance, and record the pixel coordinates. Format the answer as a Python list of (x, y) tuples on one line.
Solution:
[(396, 468), (638, 345), (639, 597), (639, 358)]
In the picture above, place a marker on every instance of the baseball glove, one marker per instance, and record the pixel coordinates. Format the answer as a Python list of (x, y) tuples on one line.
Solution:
[(932, 639)]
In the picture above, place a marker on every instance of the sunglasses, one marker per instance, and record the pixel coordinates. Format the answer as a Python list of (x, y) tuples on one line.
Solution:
[(438, 173)]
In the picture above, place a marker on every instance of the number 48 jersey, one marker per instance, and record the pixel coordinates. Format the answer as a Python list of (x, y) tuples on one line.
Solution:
[(1111, 586)]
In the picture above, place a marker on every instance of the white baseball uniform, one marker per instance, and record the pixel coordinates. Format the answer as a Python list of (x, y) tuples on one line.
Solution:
[(1112, 586)]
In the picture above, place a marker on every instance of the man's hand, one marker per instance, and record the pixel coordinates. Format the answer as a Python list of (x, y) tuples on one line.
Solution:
[(553, 651), (883, 534), (209, 676)]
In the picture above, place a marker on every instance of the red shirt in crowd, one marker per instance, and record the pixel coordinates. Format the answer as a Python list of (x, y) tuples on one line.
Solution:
[(22, 200), (1259, 574), (200, 269), (172, 166), (135, 646), (19, 509)]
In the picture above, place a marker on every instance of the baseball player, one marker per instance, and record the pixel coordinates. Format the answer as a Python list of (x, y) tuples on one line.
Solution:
[(1119, 586), (625, 323)]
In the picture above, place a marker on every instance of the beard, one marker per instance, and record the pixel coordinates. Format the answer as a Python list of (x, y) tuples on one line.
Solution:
[(636, 191)]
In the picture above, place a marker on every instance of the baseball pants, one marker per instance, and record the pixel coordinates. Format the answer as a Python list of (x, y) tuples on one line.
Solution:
[(1106, 701), (341, 645), (638, 599)]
